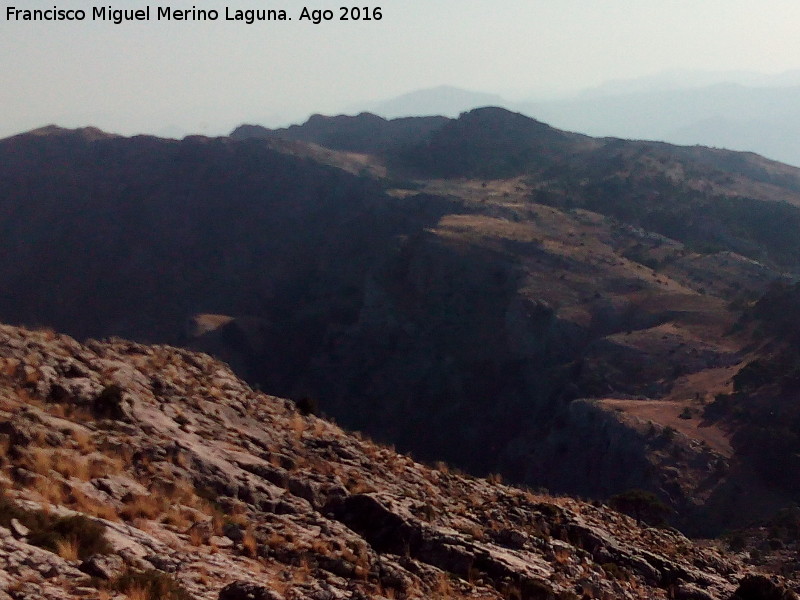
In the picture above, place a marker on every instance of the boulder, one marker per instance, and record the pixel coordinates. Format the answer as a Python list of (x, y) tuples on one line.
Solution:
[(18, 530), (242, 590), (104, 566)]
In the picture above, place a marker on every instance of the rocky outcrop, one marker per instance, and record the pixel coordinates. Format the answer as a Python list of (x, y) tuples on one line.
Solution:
[(204, 488)]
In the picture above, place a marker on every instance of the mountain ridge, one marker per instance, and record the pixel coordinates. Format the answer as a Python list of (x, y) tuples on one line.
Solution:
[(486, 312)]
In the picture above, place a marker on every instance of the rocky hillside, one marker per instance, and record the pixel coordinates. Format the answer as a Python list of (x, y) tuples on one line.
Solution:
[(488, 290), (150, 472)]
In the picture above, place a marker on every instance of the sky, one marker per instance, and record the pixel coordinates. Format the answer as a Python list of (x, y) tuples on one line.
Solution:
[(208, 77)]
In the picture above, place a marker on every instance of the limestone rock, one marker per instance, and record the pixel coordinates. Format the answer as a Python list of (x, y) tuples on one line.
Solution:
[(241, 590), (288, 505), (18, 529), (103, 566)]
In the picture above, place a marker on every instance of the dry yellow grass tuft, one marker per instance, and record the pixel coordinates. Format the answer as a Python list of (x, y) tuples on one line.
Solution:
[(92, 506), (82, 440), (196, 537), (138, 593), (250, 544), (52, 492), (443, 587), (178, 519), (494, 478), (68, 549), (298, 425), (143, 507), (38, 461), (70, 465)]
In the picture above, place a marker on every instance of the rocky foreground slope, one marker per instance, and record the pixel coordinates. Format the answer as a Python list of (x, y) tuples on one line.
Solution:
[(153, 472)]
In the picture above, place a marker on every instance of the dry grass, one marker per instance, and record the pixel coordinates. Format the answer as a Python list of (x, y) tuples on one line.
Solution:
[(494, 478), (137, 593), (178, 518), (303, 571), (52, 492), (143, 507), (250, 544), (68, 549), (38, 461), (298, 425), (357, 485), (83, 440), (203, 577), (119, 452), (275, 540), (475, 530), (86, 504), (60, 411), (48, 333), (319, 427), (31, 375), (196, 537), (70, 465), (321, 546), (442, 586), (5, 444), (181, 459)]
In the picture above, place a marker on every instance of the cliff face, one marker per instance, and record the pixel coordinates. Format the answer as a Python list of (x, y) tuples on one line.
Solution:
[(188, 480)]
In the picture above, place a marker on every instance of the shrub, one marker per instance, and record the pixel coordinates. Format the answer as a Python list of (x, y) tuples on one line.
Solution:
[(149, 585), (642, 505), (87, 535), (56, 533), (307, 406), (736, 541), (108, 403)]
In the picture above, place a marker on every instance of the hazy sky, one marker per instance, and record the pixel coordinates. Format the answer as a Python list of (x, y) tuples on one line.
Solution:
[(209, 77)]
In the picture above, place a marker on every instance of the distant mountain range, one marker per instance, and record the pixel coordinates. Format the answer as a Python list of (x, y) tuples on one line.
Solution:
[(737, 111), (445, 100)]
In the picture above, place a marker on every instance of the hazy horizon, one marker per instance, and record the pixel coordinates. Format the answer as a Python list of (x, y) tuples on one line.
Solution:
[(207, 77)]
